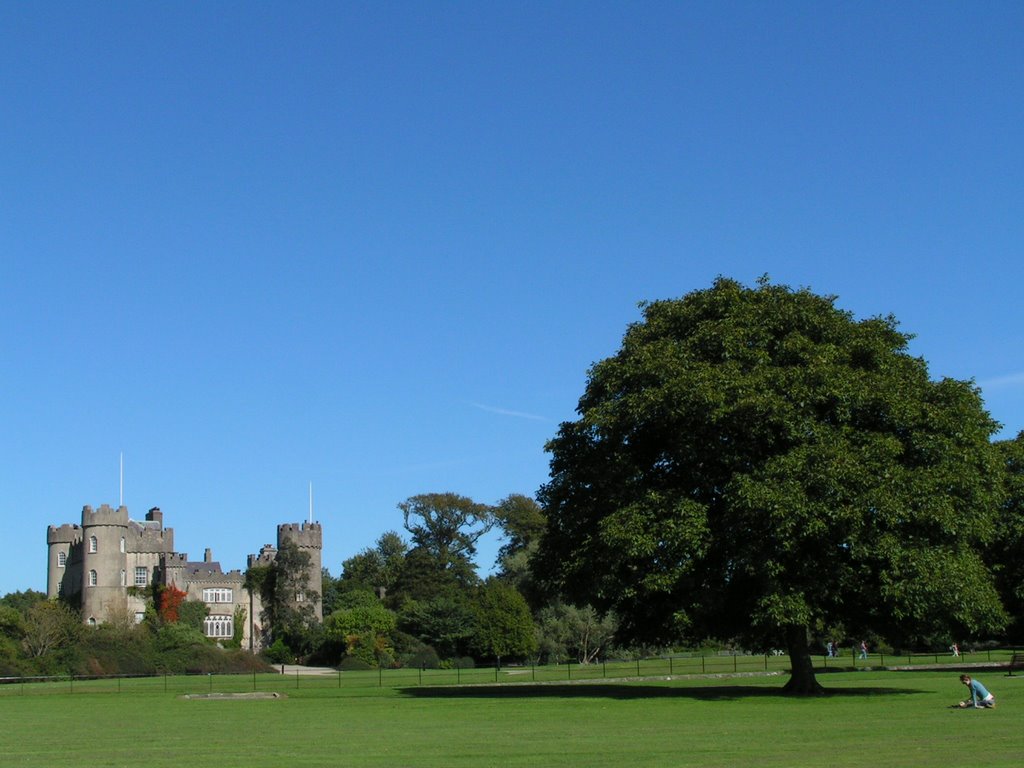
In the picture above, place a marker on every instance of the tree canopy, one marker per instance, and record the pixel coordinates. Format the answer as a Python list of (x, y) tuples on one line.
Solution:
[(756, 463)]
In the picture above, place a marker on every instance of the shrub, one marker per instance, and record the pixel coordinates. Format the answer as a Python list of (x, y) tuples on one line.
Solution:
[(353, 664)]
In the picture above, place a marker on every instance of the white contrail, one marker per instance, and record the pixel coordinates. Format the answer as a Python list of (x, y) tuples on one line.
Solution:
[(998, 382), (506, 412)]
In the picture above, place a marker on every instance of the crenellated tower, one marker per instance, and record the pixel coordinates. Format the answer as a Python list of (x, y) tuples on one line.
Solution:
[(308, 537), (104, 561), (64, 560)]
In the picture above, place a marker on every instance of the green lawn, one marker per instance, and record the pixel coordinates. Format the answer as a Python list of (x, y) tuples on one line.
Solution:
[(868, 719)]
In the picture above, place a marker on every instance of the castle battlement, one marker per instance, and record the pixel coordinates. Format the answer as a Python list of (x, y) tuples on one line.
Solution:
[(64, 534), (105, 515), (301, 534)]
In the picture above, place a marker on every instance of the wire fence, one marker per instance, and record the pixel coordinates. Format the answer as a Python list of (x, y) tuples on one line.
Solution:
[(406, 677)]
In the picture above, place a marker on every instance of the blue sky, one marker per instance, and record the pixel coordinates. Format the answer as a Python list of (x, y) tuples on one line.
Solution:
[(375, 246)]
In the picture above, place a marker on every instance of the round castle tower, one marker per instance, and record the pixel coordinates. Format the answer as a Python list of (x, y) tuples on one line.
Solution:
[(63, 562), (104, 561), (308, 537)]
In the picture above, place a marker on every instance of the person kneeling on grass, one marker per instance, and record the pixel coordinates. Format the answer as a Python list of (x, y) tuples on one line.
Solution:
[(980, 697)]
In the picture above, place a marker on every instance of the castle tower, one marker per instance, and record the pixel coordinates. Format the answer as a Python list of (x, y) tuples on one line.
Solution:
[(104, 561), (64, 560), (308, 537)]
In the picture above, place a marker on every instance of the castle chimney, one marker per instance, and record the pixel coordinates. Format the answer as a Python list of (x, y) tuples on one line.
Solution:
[(155, 516), (208, 556)]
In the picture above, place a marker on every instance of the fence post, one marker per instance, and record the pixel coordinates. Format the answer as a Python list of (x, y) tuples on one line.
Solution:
[(638, 666), (568, 668), (380, 675), (702, 663), (670, 665), (734, 669)]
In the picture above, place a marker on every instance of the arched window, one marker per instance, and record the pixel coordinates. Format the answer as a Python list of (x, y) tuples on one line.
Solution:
[(93, 544), (92, 621), (62, 559), (124, 578), (92, 578)]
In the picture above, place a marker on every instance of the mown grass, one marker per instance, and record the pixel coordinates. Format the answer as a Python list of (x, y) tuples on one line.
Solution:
[(867, 719)]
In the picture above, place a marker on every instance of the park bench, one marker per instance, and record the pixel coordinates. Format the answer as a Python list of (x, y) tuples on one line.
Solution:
[(1016, 661)]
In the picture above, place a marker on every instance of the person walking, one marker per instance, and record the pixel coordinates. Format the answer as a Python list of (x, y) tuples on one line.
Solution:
[(955, 649), (863, 649), (980, 696)]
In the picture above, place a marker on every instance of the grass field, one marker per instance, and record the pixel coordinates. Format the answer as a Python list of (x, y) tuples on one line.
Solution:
[(868, 719)]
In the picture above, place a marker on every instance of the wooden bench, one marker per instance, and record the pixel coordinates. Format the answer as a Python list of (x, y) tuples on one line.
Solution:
[(1016, 662)]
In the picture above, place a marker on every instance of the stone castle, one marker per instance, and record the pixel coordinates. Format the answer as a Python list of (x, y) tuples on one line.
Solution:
[(106, 563)]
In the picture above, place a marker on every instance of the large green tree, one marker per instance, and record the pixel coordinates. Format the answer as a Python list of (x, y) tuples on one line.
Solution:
[(447, 526), (1007, 551), (755, 463), (504, 627)]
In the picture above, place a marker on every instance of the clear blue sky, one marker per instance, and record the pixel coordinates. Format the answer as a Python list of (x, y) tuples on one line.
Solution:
[(375, 246)]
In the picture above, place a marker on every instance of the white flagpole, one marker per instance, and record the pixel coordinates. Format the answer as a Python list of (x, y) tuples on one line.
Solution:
[(120, 501), (311, 503)]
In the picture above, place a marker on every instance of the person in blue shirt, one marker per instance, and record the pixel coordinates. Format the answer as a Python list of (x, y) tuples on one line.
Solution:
[(980, 697)]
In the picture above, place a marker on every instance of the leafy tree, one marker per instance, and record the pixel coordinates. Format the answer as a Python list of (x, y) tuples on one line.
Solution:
[(192, 613), (364, 629), (567, 631), (329, 591), (423, 577), (1007, 551), (445, 622), (447, 526), (378, 567), (169, 600), (49, 626), (504, 627), (12, 623), (753, 463), (22, 601), (522, 521)]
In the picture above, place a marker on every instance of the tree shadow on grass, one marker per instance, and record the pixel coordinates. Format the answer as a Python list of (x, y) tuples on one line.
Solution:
[(621, 691)]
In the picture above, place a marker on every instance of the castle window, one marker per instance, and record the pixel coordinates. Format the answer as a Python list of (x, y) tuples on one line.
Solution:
[(122, 543), (92, 621), (92, 578), (62, 559), (124, 578), (60, 588), (141, 576), (93, 544), (218, 596), (218, 626)]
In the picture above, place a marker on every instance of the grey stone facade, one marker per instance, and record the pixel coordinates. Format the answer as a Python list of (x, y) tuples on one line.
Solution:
[(106, 563)]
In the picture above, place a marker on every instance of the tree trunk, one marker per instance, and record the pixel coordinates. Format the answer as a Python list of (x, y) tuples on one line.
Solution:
[(802, 681)]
